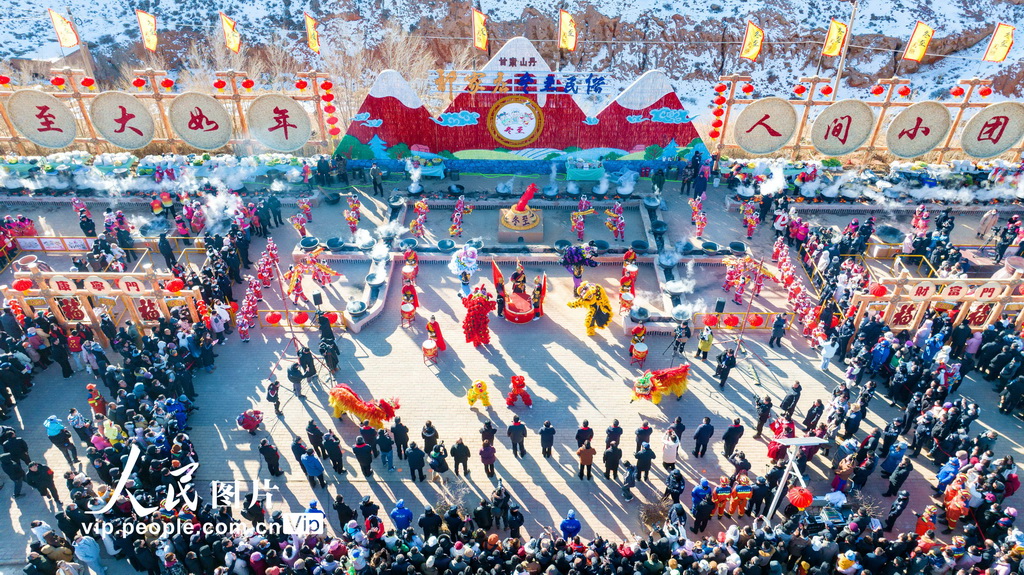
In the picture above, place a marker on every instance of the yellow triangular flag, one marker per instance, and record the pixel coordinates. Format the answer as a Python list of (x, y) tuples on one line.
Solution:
[(919, 40), (999, 46), (147, 25), (66, 34), (753, 40), (232, 38), (479, 30), (835, 39), (567, 35), (312, 36)]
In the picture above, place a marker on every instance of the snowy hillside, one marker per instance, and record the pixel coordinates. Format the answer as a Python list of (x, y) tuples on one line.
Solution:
[(625, 38)]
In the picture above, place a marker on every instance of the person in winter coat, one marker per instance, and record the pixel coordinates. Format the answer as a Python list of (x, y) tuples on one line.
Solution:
[(40, 476), (570, 526), (439, 462), (628, 480), (401, 516), (644, 458), (386, 447), (547, 439), (488, 458), (778, 331), (400, 434), (674, 485), (271, 456), (516, 433), (828, 351), (732, 436), (250, 420), (364, 455), (87, 550), (430, 523), (460, 456), (416, 459), (669, 450), (314, 468), (332, 445), (586, 455), (611, 458), (704, 343), (899, 476), (430, 436)]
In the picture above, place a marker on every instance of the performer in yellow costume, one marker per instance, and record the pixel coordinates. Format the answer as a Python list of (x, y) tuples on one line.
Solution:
[(478, 391), (594, 297)]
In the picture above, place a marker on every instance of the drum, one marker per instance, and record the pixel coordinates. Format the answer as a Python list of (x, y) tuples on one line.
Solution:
[(625, 302), (409, 274), (408, 311), (430, 350), (632, 270), (640, 351)]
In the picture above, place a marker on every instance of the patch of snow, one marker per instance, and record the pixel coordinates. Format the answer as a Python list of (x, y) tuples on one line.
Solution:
[(391, 83), (646, 90)]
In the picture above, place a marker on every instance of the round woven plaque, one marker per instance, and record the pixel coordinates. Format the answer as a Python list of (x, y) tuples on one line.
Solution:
[(842, 127), (41, 118), (122, 119), (765, 126), (201, 121), (918, 129), (993, 130), (279, 123)]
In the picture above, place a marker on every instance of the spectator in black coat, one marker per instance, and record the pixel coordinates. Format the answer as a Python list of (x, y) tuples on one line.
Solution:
[(611, 435), (702, 436), (547, 439), (585, 433), (416, 459), (732, 436), (400, 433), (643, 434)]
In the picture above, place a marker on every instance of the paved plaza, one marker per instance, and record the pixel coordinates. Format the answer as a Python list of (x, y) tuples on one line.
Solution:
[(571, 377)]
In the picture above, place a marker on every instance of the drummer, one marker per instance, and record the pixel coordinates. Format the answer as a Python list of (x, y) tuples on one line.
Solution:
[(411, 269), (627, 284), (638, 334)]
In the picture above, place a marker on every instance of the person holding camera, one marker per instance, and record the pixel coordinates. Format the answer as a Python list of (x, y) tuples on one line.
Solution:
[(681, 335), (763, 408)]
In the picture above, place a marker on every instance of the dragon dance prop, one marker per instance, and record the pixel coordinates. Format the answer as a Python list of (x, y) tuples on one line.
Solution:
[(653, 385), (343, 400)]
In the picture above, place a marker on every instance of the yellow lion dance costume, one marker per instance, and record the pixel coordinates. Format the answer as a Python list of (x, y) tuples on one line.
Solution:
[(594, 297), (652, 385), (478, 391)]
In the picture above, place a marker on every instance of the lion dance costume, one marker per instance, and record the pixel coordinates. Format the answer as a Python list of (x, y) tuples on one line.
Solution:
[(344, 400), (593, 296), (476, 326), (653, 385), (518, 391), (478, 391)]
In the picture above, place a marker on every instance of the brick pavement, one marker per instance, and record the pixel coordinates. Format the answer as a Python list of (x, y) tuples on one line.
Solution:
[(570, 375)]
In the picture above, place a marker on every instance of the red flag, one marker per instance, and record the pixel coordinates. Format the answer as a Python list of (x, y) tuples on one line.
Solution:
[(499, 280)]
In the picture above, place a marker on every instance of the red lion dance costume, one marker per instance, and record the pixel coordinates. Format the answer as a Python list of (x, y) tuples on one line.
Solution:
[(518, 391), (476, 325), (344, 400)]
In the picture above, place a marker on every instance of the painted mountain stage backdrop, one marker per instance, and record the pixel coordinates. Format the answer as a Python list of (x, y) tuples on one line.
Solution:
[(517, 106)]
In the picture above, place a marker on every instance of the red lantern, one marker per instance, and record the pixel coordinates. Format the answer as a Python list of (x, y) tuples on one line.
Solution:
[(327, 97), (756, 321), (138, 83), (326, 86), (301, 317), (331, 317), (877, 90), (88, 82), (826, 90), (175, 285), (248, 84), (334, 131), (800, 89), (713, 134), (716, 123), (332, 120), (22, 284), (731, 320), (957, 91), (904, 91), (719, 100), (710, 320), (717, 112), (273, 317), (721, 88), (878, 290), (985, 91), (748, 88), (301, 84), (220, 84), (58, 82), (330, 109), (4, 80), (800, 497)]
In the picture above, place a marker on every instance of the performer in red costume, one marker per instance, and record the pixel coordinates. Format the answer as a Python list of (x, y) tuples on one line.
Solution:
[(479, 305), (434, 331)]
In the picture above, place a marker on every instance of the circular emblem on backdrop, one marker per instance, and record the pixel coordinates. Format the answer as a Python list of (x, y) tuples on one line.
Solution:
[(918, 129), (201, 121), (842, 127), (765, 126), (41, 118), (993, 130), (122, 119), (515, 121), (279, 123)]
